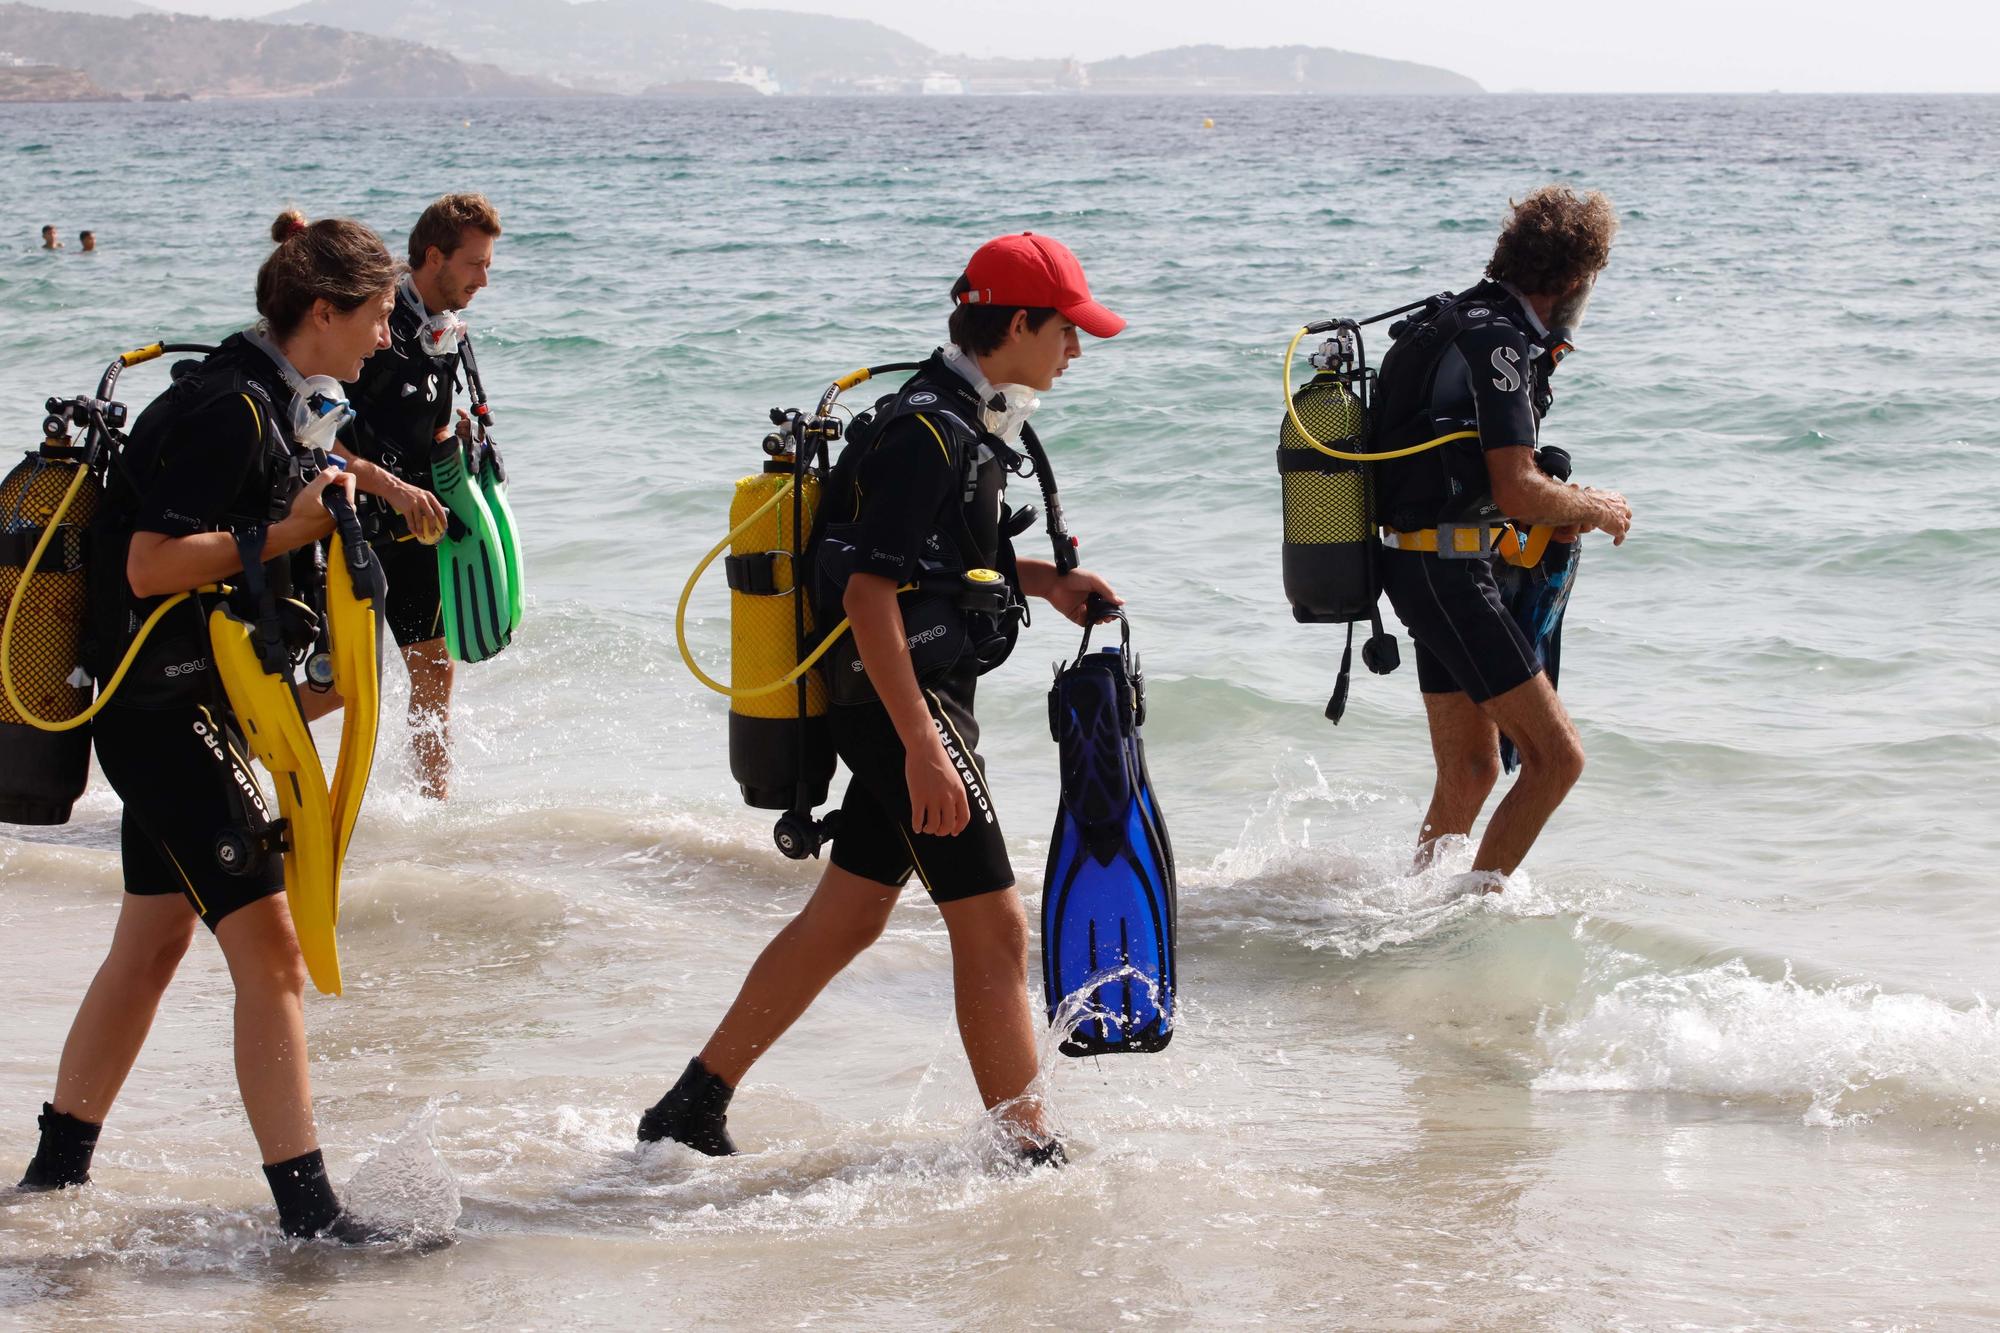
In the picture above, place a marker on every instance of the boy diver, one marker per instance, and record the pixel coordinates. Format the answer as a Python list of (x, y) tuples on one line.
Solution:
[(404, 406), (921, 492), (1483, 359), (217, 460)]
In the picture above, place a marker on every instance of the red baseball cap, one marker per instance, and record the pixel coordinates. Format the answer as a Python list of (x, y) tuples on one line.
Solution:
[(1031, 270)]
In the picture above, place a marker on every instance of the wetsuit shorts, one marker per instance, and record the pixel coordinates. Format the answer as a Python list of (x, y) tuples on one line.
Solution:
[(874, 839), (415, 613), (1466, 641), (184, 775)]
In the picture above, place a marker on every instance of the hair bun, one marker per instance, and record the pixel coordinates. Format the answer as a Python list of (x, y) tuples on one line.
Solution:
[(289, 224)]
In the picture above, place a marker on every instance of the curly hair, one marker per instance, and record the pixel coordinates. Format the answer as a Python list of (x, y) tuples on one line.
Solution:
[(1554, 239), (333, 260), (446, 221)]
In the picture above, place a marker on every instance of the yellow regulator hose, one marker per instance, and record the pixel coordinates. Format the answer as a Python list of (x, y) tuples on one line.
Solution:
[(1292, 412), (14, 612), (680, 615)]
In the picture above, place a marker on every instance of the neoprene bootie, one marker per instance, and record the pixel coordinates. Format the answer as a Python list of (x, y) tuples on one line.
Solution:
[(694, 1112), (62, 1159)]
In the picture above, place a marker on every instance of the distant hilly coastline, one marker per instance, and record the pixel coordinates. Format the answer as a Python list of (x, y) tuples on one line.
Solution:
[(541, 48), (164, 55)]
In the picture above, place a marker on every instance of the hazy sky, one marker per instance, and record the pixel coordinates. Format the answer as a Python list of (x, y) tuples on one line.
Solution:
[(1596, 45)]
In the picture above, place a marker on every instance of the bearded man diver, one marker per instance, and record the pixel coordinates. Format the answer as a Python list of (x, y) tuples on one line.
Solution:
[(1482, 359)]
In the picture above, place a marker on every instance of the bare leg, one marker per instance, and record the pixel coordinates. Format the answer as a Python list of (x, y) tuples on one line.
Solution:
[(430, 715), (989, 964), (270, 976), (845, 915), (1466, 747), (1551, 762), (152, 934)]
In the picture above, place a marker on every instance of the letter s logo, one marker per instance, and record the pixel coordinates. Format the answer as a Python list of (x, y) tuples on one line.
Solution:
[(1507, 361)]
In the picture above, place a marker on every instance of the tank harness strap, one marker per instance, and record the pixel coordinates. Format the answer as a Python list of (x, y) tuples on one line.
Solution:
[(757, 573), (18, 546), (267, 628), (1474, 541), (1312, 460)]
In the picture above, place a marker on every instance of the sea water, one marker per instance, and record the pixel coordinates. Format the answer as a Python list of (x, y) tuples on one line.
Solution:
[(1722, 1056)]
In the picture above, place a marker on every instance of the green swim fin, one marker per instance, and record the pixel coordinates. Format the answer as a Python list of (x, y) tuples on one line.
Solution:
[(493, 487), (493, 481), (472, 562)]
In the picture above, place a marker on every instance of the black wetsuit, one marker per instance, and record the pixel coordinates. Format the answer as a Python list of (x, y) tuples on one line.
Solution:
[(212, 453), (1470, 367), (918, 494), (402, 400)]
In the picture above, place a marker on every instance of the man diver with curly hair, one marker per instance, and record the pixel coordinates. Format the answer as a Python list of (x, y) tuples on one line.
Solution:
[(1479, 363)]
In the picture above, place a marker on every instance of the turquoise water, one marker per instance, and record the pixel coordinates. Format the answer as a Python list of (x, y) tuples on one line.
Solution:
[(1742, 980)]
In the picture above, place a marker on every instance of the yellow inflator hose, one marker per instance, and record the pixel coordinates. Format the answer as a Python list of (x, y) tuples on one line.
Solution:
[(1292, 412), (14, 610), (680, 615)]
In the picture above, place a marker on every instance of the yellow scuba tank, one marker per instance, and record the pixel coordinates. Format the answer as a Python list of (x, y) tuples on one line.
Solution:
[(46, 507), (779, 749), (45, 608)]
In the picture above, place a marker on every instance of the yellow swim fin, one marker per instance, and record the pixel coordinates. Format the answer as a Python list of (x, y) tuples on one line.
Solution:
[(256, 675), (357, 599)]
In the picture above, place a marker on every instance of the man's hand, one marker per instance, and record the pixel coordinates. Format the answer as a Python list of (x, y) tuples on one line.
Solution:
[(424, 512), (1071, 594), (1613, 516), (938, 803)]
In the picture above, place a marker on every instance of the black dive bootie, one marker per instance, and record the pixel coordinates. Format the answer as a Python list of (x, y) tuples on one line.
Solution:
[(63, 1157), (308, 1209), (694, 1112)]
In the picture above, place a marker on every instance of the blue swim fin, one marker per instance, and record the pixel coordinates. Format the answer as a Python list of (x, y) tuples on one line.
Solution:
[(1108, 899), (1537, 598)]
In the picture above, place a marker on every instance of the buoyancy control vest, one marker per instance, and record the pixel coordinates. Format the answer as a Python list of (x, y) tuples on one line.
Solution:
[(1449, 484), (173, 667), (964, 608), (400, 398)]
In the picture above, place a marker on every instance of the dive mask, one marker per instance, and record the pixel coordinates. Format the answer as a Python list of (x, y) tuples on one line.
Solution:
[(319, 410), (442, 334), (319, 402), (1003, 408)]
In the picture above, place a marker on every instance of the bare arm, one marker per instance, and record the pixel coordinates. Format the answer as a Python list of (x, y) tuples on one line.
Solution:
[(156, 564), (937, 797), (1068, 593), (423, 511), (1526, 493)]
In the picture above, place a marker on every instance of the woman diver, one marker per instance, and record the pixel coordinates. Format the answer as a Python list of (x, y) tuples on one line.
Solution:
[(221, 464)]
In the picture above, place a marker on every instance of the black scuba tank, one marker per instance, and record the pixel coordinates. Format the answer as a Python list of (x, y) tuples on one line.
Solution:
[(1329, 541)]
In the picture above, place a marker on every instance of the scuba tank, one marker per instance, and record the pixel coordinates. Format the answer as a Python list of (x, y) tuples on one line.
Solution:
[(780, 744), (1329, 540), (53, 489), (46, 506), (780, 747), (1331, 544)]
